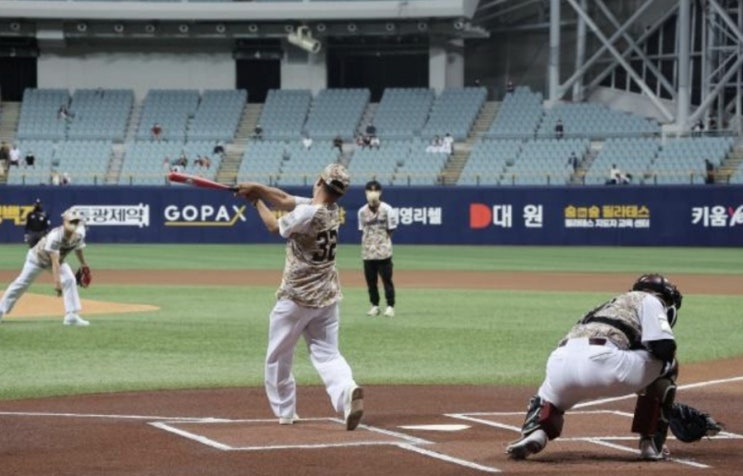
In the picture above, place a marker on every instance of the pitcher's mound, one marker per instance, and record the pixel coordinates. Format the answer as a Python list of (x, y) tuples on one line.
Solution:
[(33, 305)]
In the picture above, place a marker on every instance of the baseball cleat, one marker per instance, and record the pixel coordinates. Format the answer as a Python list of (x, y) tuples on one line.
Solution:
[(374, 311), (390, 311), (649, 452), (530, 444), (75, 320), (354, 407), (289, 420)]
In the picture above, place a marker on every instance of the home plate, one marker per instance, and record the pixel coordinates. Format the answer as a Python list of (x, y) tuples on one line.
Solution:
[(452, 427)]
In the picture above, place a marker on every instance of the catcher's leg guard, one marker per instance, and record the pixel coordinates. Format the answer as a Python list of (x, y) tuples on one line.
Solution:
[(542, 414), (653, 411)]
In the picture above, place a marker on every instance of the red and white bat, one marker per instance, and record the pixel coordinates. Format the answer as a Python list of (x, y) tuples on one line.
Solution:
[(197, 181)]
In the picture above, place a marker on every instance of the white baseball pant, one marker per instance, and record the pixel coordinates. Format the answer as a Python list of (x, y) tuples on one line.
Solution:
[(319, 326), (30, 271)]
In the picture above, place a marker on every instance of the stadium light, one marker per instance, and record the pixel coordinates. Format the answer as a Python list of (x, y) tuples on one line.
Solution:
[(302, 38)]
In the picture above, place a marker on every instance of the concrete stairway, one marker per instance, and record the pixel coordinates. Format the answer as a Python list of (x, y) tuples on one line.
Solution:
[(456, 161), (115, 164), (368, 117), (133, 124), (732, 162), (230, 165)]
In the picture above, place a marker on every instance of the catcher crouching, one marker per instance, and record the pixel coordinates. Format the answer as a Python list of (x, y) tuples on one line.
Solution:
[(623, 346), (49, 255)]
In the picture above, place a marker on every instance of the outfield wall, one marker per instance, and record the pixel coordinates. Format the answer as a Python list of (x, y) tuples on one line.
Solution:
[(608, 215)]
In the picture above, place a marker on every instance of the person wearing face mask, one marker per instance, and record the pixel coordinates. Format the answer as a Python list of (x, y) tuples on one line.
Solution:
[(377, 221)]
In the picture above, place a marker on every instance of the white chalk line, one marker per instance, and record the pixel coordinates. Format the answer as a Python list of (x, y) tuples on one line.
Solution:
[(165, 423)]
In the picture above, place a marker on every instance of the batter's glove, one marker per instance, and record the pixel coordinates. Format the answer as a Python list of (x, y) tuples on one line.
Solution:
[(83, 277), (689, 424)]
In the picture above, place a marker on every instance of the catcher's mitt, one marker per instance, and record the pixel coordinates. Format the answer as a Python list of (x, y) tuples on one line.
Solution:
[(83, 277), (689, 424)]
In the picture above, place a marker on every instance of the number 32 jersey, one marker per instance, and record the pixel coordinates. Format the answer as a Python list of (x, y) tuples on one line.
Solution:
[(310, 277)]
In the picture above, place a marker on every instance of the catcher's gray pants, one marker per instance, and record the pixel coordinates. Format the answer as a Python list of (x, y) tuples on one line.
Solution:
[(30, 271), (578, 371), (319, 326)]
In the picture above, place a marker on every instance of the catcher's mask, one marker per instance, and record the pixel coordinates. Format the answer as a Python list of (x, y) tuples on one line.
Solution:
[(373, 190), (664, 289)]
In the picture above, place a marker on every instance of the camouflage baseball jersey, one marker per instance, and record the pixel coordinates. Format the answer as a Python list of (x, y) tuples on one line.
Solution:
[(56, 241), (310, 277), (637, 313), (375, 239)]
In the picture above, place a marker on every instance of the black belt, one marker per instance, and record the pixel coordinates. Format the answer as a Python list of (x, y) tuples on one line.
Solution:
[(591, 341)]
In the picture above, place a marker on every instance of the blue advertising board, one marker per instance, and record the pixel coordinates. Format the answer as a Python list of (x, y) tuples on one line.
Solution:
[(603, 215)]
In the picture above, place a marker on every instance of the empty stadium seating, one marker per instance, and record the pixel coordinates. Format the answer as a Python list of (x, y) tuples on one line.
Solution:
[(171, 108), (378, 164), (518, 116), (39, 118), (454, 111), (631, 155), (218, 115), (544, 162), (488, 161), (336, 112), (595, 121), (284, 113), (681, 161), (148, 162), (402, 112), (100, 114)]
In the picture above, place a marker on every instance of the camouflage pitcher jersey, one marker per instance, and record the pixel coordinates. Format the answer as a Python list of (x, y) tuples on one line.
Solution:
[(375, 240), (56, 241), (310, 277), (638, 313)]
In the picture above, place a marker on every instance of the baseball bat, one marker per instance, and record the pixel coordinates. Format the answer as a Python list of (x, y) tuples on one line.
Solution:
[(197, 181)]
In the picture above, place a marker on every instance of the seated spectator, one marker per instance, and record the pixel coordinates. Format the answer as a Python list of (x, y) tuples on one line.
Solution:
[(66, 179), (218, 148), (371, 130), (56, 178), (258, 132), (338, 143), (709, 172), (436, 145), (63, 112), (285, 155), (573, 161), (712, 125), (4, 152), (360, 141), (617, 177), (307, 142), (374, 142), (206, 162), (366, 140), (447, 143), (698, 128), (509, 87), (197, 162), (157, 131), (559, 129), (30, 159), (15, 156)]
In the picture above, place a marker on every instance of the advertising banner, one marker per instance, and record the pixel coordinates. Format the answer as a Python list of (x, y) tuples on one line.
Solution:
[(608, 215)]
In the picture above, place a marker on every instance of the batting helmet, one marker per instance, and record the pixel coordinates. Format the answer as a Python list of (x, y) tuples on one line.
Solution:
[(663, 288)]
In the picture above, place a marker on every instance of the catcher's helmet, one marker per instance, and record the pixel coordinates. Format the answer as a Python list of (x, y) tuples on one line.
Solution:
[(663, 288)]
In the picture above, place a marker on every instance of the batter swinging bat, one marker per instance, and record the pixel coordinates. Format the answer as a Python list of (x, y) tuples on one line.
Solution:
[(198, 181)]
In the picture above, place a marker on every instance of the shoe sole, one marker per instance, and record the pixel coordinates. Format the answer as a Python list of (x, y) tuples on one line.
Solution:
[(357, 409), (522, 451)]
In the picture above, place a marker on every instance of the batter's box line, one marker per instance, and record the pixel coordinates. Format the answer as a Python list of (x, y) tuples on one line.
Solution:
[(169, 427), (409, 443), (472, 417), (602, 441)]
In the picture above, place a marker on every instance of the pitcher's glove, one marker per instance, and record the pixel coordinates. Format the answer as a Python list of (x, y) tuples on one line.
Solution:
[(689, 424), (83, 277)]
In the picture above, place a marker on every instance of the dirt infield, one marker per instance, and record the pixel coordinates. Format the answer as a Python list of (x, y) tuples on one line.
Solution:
[(411, 430)]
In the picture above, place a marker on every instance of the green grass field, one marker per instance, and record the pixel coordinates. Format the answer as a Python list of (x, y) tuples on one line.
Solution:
[(215, 336)]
